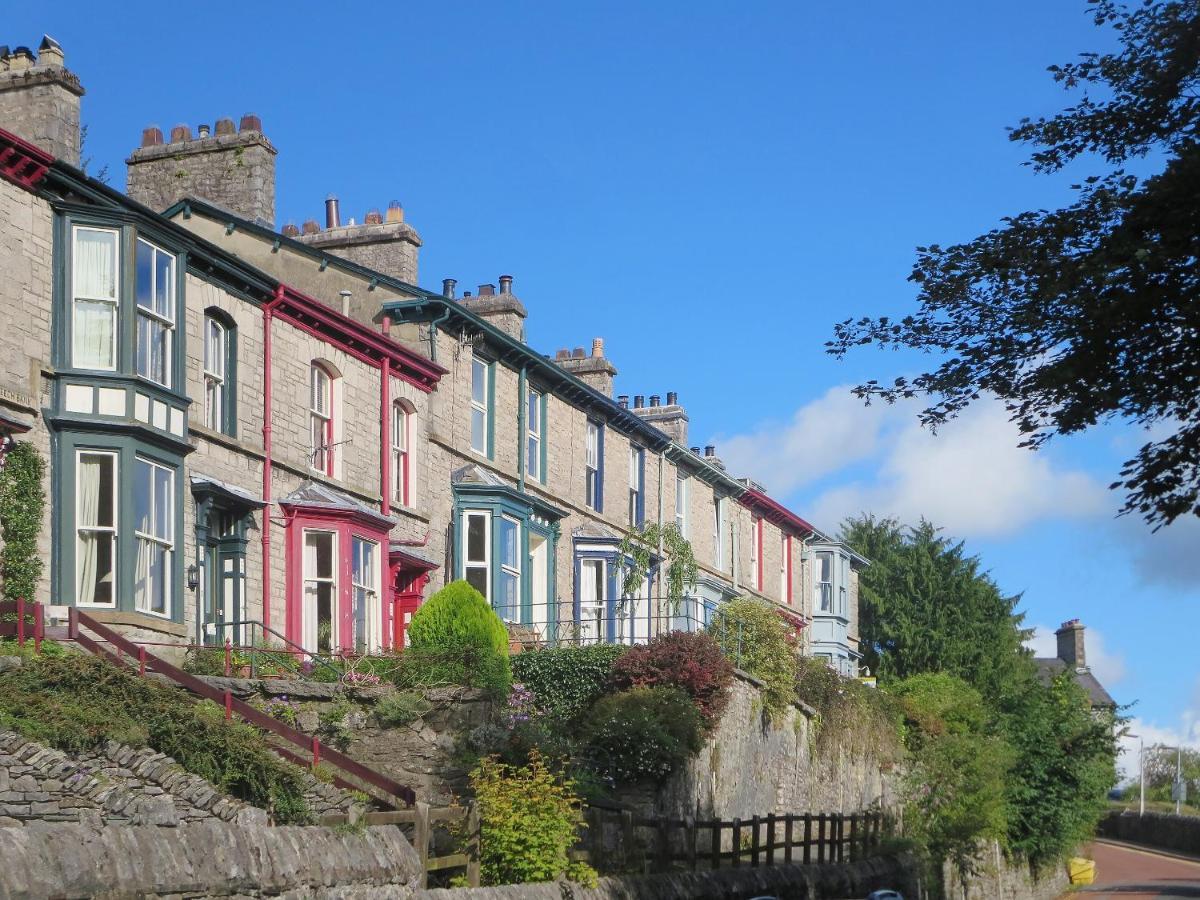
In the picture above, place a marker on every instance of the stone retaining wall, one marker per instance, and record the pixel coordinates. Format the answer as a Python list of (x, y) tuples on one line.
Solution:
[(1162, 830), (205, 859), (996, 877)]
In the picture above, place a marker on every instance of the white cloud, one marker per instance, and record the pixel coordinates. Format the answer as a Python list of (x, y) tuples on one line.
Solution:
[(1140, 733), (1108, 667), (1168, 556), (970, 478)]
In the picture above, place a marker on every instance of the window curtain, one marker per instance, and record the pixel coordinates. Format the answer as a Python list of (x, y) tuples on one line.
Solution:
[(88, 474), (587, 601), (96, 293), (309, 613), (95, 265)]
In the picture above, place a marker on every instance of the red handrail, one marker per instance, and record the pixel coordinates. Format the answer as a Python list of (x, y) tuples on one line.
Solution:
[(232, 704), (19, 629)]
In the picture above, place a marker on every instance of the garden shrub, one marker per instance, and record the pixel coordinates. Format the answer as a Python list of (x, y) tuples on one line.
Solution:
[(22, 501), (77, 703), (401, 708), (849, 710), (456, 638), (529, 820), (693, 663), (756, 640), (566, 681), (643, 734)]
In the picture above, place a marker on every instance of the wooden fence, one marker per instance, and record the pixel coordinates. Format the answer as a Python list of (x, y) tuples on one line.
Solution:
[(631, 843), (419, 824)]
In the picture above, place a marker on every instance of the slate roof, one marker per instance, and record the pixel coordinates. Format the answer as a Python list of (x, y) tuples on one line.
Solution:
[(312, 493), (1047, 669)]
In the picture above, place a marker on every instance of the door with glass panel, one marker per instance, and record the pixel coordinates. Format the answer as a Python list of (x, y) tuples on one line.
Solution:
[(320, 631), (365, 612), (539, 574), (593, 595)]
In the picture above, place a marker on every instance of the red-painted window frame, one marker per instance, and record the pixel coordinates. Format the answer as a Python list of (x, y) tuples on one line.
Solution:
[(787, 568), (328, 468), (402, 473)]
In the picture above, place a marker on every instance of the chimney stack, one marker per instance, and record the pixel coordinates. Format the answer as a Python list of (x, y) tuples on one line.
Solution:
[(382, 242), (39, 99), (671, 419), (228, 167), (504, 310), (1071, 648), (596, 370)]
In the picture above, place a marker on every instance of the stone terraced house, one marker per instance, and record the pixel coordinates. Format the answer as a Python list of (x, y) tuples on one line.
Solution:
[(245, 424)]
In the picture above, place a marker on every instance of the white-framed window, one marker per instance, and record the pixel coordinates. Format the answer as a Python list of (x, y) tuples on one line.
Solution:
[(216, 349), (401, 463), (681, 504), (823, 602), (785, 568), (719, 532), (756, 553), (477, 550), (154, 527), (593, 586), (155, 312), (636, 479), (843, 585), (95, 281), (533, 436), (508, 596), (320, 419), (481, 374), (594, 453), (320, 591), (365, 611), (95, 528)]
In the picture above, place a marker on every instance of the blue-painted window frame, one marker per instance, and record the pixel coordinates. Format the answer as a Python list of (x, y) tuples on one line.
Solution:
[(606, 549), (638, 461), (598, 505)]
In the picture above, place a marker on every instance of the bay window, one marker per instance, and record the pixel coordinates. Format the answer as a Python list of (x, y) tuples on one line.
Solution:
[(508, 600), (824, 582), (154, 528), (401, 464), (320, 420), (155, 282), (95, 527), (95, 279), (365, 611), (481, 406), (320, 591), (594, 467), (477, 564)]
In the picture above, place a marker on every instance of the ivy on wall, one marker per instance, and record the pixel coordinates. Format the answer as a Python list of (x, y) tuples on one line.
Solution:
[(22, 502), (641, 547)]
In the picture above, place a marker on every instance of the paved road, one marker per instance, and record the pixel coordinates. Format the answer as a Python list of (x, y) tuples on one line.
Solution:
[(1124, 872)]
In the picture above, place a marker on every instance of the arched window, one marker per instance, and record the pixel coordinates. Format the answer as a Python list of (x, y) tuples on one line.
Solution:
[(220, 363), (401, 453), (321, 418)]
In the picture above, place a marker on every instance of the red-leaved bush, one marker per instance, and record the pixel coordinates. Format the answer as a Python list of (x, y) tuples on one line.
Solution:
[(693, 663)]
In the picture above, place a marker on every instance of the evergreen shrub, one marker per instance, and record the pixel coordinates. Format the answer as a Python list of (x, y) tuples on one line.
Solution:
[(566, 681), (22, 502), (456, 638), (643, 734), (756, 640), (693, 663)]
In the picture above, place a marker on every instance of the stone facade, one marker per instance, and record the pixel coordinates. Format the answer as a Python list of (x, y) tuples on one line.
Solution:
[(39, 99), (385, 244), (235, 169)]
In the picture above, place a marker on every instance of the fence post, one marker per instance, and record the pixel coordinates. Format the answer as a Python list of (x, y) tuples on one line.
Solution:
[(839, 836), (39, 626), (664, 845), (316, 753), (421, 839), (787, 837), (807, 838), (20, 621), (142, 661), (72, 622), (228, 658), (737, 842), (821, 838), (754, 840), (770, 839), (689, 825), (228, 705), (473, 844), (715, 845), (627, 835)]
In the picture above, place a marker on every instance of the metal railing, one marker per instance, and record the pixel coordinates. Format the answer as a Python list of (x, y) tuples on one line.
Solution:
[(287, 656)]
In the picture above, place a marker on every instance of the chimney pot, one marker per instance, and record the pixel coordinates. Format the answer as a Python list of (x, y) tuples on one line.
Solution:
[(623, 401), (345, 295), (152, 136), (710, 450), (696, 450), (563, 353), (373, 217), (672, 398), (180, 133), (638, 401), (311, 226), (203, 131), (487, 290), (21, 58), (225, 126), (506, 284), (598, 348), (577, 353), (250, 122), (395, 212), (332, 216), (655, 400), (448, 287), (290, 230), (466, 294)]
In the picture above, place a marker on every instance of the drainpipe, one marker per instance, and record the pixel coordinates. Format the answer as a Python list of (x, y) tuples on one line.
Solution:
[(385, 450), (433, 330), (268, 313), (522, 412), (658, 576)]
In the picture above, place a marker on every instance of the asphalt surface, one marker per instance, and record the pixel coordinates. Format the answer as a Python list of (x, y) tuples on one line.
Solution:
[(1126, 872)]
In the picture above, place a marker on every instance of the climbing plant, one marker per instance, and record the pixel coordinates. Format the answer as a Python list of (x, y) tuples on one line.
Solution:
[(640, 548), (22, 502)]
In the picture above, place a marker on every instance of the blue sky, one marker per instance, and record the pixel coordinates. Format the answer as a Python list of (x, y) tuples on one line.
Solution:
[(708, 186)]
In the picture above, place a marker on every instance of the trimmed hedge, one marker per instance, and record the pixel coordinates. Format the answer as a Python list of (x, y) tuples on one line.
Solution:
[(567, 680)]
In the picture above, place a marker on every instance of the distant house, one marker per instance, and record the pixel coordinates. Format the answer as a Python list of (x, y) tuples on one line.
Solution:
[(1072, 657)]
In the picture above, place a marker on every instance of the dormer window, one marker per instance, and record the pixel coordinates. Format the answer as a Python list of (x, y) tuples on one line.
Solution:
[(155, 313), (95, 300)]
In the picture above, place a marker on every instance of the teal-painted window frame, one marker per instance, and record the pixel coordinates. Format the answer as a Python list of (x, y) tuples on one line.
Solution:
[(498, 506), (62, 332), (542, 454), (489, 411), (229, 388), (67, 444)]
